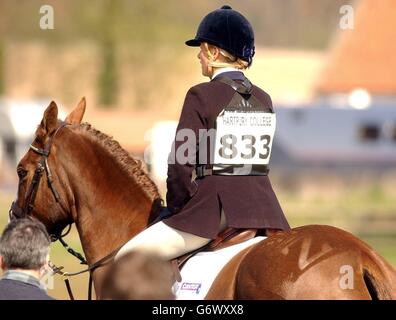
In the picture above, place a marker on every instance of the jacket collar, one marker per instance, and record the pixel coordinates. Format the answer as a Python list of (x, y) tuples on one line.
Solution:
[(234, 75), (22, 277)]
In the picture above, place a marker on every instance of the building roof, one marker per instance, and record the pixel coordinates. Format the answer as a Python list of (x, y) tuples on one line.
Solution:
[(364, 57)]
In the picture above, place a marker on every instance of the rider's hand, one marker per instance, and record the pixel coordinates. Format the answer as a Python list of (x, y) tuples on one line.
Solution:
[(164, 213)]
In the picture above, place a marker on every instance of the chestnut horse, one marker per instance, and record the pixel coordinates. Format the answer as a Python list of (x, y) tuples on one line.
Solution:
[(94, 183)]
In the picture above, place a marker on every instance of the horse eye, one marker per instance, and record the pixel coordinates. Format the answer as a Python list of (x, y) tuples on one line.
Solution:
[(21, 173)]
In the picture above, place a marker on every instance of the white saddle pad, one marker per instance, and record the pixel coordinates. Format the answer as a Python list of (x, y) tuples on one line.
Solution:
[(200, 271)]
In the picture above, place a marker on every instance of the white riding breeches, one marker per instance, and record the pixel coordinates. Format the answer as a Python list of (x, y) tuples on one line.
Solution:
[(166, 241)]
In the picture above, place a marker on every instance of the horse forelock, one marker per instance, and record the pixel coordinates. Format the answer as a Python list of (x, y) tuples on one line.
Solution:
[(127, 163)]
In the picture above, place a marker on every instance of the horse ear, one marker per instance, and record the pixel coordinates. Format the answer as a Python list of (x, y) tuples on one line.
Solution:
[(77, 114), (49, 123)]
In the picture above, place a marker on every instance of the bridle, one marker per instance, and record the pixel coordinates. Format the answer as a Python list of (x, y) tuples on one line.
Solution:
[(16, 212)]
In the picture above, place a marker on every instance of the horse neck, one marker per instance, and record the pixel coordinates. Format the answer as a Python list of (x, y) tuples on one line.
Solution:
[(109, 204)]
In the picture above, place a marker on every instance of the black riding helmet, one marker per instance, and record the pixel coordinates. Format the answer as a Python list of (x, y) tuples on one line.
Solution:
[(229, 30)]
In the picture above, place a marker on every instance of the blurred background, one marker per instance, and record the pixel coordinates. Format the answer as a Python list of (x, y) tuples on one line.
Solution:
[(328, 65)]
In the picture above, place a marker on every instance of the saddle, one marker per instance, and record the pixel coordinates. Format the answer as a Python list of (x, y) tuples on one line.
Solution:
[(226, 238)]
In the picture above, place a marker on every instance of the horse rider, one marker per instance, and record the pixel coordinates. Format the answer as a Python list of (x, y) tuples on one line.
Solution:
[(223, 180)]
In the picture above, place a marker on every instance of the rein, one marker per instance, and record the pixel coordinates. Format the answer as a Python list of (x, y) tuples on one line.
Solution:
[(65, 275)]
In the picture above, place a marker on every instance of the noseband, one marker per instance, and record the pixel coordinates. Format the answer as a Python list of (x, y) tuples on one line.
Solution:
[(16, 211)]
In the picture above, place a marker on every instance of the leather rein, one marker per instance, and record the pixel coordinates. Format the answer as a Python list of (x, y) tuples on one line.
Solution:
[(16, 212)]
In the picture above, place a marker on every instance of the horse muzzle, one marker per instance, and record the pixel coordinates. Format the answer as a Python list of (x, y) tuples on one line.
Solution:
[(15, 212)]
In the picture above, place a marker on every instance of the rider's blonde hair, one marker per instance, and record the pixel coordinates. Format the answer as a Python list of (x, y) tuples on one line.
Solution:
[(229, 59)]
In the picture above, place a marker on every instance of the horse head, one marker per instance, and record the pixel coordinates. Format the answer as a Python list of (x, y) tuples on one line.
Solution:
[(42, 189), (73, 173)]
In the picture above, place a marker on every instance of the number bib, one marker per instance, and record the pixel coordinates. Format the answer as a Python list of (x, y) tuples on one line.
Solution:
[(244, 137)]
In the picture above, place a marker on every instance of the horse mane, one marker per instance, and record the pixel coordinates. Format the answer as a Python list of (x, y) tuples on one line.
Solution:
[(127, 163)]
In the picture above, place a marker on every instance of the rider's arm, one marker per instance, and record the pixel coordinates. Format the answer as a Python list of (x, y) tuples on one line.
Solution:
[(181, 164)]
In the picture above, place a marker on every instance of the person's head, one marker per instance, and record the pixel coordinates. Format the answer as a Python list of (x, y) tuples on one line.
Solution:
[(138, 276), (226, 39), (24, 245)]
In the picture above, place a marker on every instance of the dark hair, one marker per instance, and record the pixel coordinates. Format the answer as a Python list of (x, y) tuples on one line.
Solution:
[(24, 244), (138, 276)]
